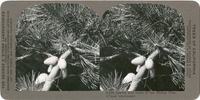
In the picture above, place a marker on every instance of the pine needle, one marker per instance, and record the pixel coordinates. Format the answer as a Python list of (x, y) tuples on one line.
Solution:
[(27, 83), (113, 82)]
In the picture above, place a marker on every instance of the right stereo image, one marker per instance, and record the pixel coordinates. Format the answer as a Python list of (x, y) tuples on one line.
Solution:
[(142, 48)]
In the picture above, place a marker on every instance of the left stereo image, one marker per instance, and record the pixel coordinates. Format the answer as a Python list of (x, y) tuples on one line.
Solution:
[(57, 48)]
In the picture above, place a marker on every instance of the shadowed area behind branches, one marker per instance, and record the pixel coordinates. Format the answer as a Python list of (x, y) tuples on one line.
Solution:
[(122, 64), (35, 63)]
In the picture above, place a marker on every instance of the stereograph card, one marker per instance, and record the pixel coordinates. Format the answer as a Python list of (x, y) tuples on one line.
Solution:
[(108, 50)]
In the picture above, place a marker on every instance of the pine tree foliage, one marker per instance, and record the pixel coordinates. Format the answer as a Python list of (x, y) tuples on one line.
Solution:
[(27, 83), (138, 28), (54, 28), (142, 28), (113, 82)]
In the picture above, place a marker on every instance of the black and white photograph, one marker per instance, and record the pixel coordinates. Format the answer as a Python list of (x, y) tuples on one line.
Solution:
[(142, 48), (100, 50), (66, 47), (57, 48)]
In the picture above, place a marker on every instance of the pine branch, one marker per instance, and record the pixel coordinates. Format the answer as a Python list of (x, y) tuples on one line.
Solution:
[(23, 57)]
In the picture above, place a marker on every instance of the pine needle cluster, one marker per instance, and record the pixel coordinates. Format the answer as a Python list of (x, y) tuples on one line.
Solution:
[(143, 28)]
